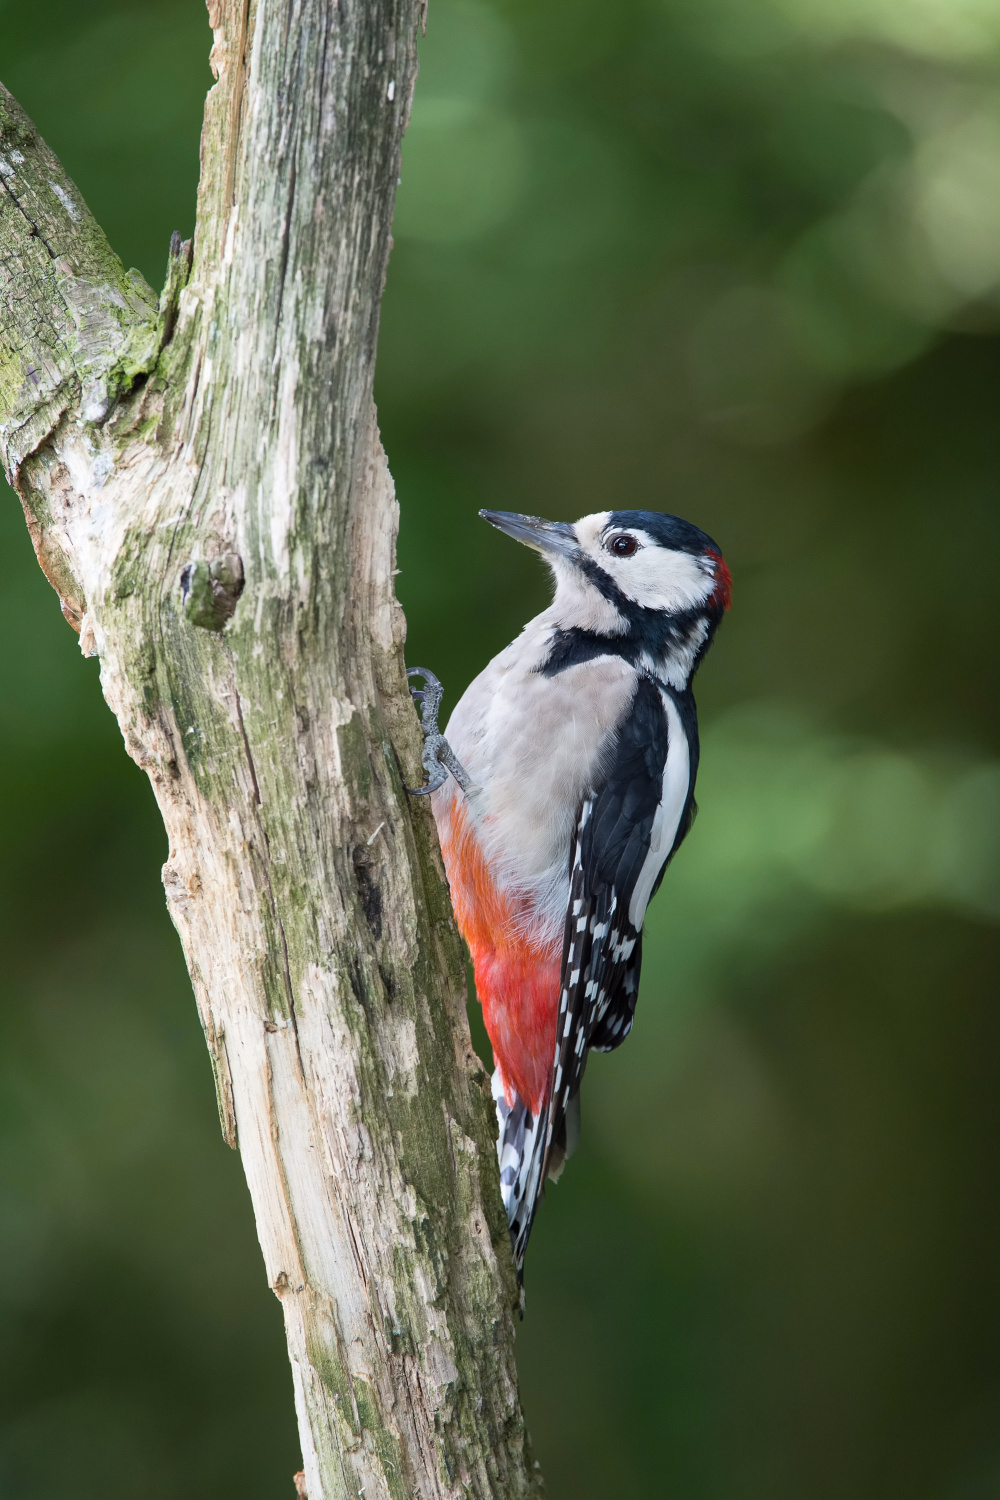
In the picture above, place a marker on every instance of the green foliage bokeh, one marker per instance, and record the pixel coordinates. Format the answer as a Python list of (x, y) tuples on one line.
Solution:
[(738, 259)]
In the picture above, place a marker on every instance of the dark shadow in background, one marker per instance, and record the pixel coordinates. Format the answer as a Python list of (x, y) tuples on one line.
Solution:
[(739, 260)]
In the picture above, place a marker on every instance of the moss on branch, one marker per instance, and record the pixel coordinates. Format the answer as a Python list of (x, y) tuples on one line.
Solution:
[(76, 329)]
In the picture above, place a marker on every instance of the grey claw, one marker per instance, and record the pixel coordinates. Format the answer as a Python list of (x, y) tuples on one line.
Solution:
[(439, 778), (438, 758)]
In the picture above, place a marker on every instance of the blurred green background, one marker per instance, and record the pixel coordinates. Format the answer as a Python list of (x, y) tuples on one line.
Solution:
[(739, 259)]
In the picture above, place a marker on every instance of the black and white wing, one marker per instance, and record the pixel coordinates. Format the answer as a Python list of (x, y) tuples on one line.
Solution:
[(625, 835)]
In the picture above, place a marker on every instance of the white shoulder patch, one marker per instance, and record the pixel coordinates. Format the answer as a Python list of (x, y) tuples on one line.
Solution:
[(676, 781)]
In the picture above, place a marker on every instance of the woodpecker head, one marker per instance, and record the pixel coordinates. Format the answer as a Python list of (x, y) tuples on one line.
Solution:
[(629, 573)]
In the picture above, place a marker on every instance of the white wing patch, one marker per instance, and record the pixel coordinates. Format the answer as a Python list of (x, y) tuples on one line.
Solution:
[(676, 782)]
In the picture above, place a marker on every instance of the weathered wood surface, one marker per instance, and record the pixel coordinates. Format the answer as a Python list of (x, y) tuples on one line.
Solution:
[(207, 492)]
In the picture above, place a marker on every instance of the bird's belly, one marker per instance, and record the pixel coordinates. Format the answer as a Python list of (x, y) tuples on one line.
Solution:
[(516, 957), (533, 745)]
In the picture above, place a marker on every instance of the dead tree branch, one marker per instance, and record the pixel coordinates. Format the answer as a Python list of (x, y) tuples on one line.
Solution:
[(206, 490)]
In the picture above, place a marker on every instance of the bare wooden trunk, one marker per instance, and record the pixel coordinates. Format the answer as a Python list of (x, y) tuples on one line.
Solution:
[(206, 489)]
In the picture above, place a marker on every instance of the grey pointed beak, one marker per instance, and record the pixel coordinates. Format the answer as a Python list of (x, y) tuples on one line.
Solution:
[(544, 536)]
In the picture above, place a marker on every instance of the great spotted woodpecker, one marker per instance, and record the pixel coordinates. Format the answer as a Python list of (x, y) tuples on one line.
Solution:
[(573, 759)]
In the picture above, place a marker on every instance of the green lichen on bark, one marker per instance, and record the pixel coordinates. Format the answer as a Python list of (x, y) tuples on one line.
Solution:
[(78, 329), (206, 488)]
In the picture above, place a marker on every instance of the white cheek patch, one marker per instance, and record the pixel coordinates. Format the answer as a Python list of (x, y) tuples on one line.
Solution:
[(655, 578)]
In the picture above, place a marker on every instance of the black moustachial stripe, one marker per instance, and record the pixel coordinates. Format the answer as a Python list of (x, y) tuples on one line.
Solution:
[(649, 633)]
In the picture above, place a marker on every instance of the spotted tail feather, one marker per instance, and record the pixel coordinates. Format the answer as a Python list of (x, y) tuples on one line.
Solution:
[(521, 1151)]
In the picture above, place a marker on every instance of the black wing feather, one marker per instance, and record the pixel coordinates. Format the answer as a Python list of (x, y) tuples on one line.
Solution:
[(602, 951), (614, 844), (611, 1029)]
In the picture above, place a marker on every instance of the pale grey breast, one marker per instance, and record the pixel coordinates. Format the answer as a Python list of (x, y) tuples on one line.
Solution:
[(535, 746)]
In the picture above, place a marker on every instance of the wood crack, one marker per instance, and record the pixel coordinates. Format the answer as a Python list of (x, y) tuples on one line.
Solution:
[(33, 228), (286, 244), (266, 863)]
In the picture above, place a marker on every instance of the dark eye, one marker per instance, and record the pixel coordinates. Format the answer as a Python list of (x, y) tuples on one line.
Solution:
[(623, 546)]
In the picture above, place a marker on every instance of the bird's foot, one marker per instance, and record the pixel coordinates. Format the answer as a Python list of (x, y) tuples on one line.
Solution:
[(438, 757)]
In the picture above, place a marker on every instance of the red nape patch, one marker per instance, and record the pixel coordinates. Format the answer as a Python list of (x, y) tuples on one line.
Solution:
[(723, 592)]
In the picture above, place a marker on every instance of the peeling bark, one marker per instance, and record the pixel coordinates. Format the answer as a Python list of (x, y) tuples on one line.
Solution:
[(206, 490)]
